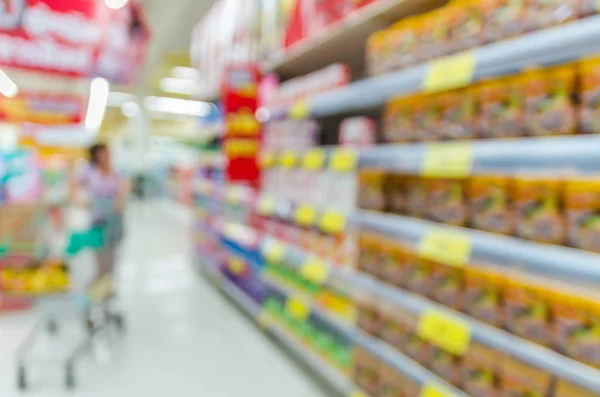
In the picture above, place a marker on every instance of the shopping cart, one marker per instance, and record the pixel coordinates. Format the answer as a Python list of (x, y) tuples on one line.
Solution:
[(68, 294)]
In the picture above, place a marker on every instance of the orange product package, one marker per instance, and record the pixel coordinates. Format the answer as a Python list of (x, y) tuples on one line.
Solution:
[(368, 317), (538, 209), (398, 326), (593, 349), (503, 19), (396, 384), (427, 117), (489, 203), (395, 193), (403, 41), (549, 105), (367, 369), (398, 121), (501, 107), (446, 365), (582, 213), (519, 379), (419, 349), (484, 294), (394, 267), (416, 195), (546, 13), (459, 114), (481, 371), (448, 286), (370, 189), (419, 274), (447, 201), (527, 310), (376, 52), (574, 332), (370, 254), (567, 389), (589, 96), (432, 30), (466, 19)]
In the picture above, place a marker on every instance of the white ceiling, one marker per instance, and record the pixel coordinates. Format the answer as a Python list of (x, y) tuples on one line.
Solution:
[(171, 22)]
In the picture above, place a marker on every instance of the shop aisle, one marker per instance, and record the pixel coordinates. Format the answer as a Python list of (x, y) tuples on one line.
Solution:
[(184, 338)]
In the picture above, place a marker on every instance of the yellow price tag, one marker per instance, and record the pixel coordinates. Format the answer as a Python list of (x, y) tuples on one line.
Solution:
[(315, 271), (305, 214), (449, 248), (297, 308), (436, 390), (266, 205), (445, 331), (300, 110), (288, 160), (333, 222), (274, 252), (266, 160), (448, 160), (314, 160), (450, 72), (343, 160), (236, 266)]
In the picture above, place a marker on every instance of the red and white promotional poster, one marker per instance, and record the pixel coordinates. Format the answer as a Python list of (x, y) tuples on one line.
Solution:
[(69, 37)]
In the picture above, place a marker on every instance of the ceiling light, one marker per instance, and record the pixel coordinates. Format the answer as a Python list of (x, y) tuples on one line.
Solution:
[(182, 72), (116, 4), (7, 86), (178, 86), (130, 109), (99, 90), (178, 106)]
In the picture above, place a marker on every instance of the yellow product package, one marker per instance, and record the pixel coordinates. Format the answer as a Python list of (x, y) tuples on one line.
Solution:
[(538, 209), (519, 379), (448, 285), (484, 299), (459, 114), (416, 192), (398, 121), (395, 193), (370, 189), (447, 201), (489, 203), (481, 371), (398, 326), (582, 212), (589, 95), (427, 117), (567, 389), (367, 370), (503, 19), (375, 53), (466, 18), (546, 13), (549, 105), (501, 108)]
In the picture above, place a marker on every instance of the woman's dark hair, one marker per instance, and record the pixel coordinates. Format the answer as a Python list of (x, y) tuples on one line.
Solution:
[(94, 151)]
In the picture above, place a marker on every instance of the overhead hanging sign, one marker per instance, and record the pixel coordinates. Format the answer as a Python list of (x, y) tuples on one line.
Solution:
[(42, 108)]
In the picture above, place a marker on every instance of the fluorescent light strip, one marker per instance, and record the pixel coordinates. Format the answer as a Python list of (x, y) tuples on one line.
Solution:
[(178, 86), (7, 86), (178, 106), (99, 91), (185, 73)]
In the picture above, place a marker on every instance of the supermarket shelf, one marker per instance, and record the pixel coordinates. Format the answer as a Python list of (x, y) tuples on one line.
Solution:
[(531, 154), (550, 46), (380, 349), (517, 347), (345, 40), (545, 259), (535, 355)]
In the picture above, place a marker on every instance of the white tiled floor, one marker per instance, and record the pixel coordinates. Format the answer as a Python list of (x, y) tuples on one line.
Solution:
[(184, 339)]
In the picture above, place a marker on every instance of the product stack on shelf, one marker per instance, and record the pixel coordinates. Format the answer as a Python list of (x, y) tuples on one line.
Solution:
[(447, 260)]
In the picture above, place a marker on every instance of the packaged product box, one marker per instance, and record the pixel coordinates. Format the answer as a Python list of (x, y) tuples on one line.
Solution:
[(549, 105), (481, 371), (433, 34), (503, 19), (448, 285), (447, 202), (447, 366), (398, 326), (367, 369), (396, 384), (416, 195), (501, 107), (466, 18), (588, 7), (589, 96), (375, 53), (489, 203), (419, 349), (419, 274), (582, 213), (538, 209), (519, 379), (404, 40), (459, 114), (368, 317), (22, 227), (372, 253), (484, 288), (574, 332), (543, 14), (427, 117), (527, 310), (593, 348), (358, 132), (395, 193), (393, 263), (370, 189), (567, 389), (398, 119)]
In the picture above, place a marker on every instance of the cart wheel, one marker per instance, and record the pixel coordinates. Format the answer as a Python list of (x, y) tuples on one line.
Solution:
[(69, 377), (52, 327), (21, 378)]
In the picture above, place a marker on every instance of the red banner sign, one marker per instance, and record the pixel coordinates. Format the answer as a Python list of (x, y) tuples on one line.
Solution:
[(47, 109)]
